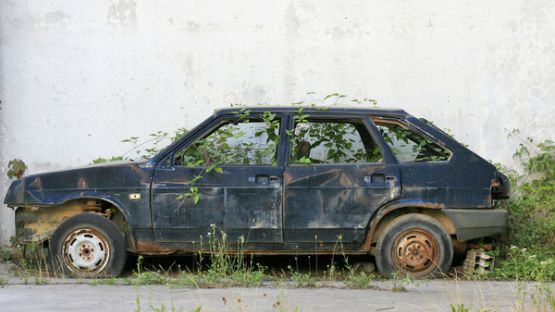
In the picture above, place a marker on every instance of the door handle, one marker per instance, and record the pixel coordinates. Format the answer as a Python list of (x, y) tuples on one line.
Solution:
[(379, 178), (265, 179)]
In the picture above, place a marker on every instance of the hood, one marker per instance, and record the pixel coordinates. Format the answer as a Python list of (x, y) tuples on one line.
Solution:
[(52, 187), (88, 166)]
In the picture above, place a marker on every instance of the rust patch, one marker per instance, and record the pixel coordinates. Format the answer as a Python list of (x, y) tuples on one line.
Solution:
[(152, 248), (460, 247), (37, 224), (367, 246), (486, 247), (494, 185), (416, 252), (148, 247)]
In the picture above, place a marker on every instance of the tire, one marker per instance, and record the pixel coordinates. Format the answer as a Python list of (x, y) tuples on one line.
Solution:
[(88, 246), (416, 244)]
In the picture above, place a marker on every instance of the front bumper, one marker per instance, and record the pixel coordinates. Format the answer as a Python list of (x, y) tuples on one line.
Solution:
[(476, 223)]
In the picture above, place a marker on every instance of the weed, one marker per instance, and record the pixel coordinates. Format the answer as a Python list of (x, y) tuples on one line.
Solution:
[(400, 280), (249, 278), (106, 281), (529, 215), (534, 197), (280, 304), (234, 269), (459, 308), (353, 279), (5, 255), (520, 296), (521, 264), (141, 277), (186, 279), (162, 307), (543, 298), (301, 280), (39, 280), (33, 264), (138, 301), (331, 268), (359, 280)]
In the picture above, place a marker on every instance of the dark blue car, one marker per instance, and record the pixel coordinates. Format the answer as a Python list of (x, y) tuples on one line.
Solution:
[(284, 180)]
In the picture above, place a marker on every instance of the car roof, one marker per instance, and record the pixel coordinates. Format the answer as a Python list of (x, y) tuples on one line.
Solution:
[(316, 109)]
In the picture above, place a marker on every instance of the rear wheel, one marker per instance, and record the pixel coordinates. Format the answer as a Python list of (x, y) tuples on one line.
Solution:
[(88, 245), (416, 244)]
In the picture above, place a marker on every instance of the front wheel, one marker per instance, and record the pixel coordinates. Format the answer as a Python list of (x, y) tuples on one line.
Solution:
[(416, 244), (88, 245)]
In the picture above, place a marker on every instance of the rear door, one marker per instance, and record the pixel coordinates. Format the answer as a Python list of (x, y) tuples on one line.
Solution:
[(336, 176)]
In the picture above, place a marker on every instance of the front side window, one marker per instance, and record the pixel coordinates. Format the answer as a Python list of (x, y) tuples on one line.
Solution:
[(330, 142), (248, 142), (408, 145)]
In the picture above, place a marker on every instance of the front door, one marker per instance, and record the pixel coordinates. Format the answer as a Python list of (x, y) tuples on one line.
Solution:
[(336, 177), (228, 178)]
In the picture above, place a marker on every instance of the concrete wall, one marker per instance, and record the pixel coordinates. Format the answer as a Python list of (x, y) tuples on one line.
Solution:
[(76, 77)]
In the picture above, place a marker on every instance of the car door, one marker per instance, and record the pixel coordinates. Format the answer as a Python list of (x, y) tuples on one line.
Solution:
[(335, 178), (229, 177)]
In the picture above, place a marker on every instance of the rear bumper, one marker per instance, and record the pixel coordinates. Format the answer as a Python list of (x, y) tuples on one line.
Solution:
[(476, 223)]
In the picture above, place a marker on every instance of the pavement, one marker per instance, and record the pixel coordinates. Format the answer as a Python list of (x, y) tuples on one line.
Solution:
[(17, 294)]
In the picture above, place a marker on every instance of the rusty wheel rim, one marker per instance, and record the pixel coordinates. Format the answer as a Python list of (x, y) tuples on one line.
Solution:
[(416, 251), (86, 252)]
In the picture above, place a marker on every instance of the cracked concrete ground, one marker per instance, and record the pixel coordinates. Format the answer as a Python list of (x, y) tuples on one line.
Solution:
[(17, 294), (428, 296)]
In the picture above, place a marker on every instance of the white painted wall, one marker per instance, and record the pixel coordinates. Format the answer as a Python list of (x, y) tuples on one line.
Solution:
[(76, 77)]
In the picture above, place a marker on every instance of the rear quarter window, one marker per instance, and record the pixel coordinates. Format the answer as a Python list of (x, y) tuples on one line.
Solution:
[(409, 145)]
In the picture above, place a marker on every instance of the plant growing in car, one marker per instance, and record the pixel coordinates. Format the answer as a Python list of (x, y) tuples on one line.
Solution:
[(227, 160)]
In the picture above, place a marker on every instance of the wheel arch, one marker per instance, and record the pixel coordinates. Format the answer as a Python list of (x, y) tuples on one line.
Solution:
[(385, 215), (36, 224), (114, 202)]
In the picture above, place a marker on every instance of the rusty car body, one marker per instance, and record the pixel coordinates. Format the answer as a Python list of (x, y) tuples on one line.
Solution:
[(384, 182)]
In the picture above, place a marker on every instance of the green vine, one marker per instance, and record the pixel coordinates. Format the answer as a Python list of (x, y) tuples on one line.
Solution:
[(147, 148), (16, 168)]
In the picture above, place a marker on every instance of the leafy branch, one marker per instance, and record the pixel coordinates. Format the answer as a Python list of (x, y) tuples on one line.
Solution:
[(16, 168)]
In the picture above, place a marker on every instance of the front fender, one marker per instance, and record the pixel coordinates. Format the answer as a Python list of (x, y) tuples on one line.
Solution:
[(114, 201), (36, 223)]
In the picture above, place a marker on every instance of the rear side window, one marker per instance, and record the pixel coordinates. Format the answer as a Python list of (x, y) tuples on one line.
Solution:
[(332, 142), (410, 146)]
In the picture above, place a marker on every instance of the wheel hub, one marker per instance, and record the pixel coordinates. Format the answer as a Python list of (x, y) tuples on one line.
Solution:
[(416, 251), (86, 250)]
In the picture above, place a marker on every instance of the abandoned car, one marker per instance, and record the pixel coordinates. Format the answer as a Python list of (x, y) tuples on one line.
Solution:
[(282, 180)]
